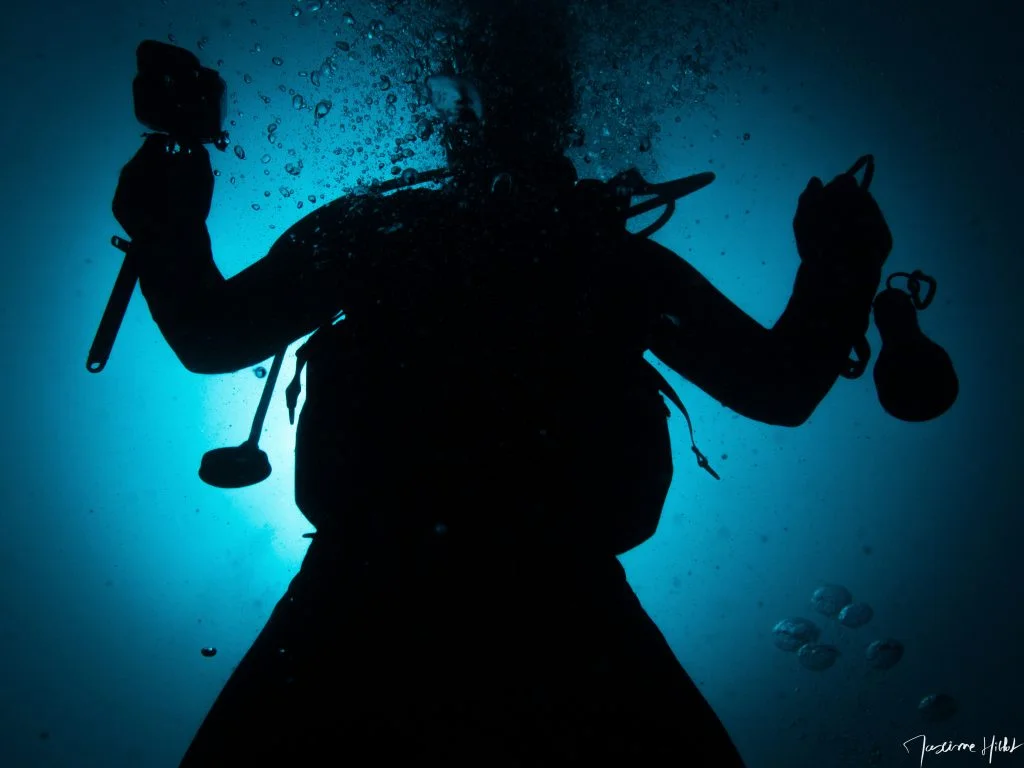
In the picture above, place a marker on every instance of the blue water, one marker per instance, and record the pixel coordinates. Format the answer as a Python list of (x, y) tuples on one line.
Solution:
[(119, 565)]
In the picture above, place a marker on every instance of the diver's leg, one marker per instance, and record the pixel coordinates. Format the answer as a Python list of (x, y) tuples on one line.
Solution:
[(254, 717), (653, 713), (574, 672)]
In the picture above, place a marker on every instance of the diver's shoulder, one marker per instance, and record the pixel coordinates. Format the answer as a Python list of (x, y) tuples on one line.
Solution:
[(365, 211)]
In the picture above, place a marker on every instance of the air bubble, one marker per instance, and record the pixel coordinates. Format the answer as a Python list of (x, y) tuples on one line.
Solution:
[(278, 61), (298, 102), (323, 108), (239, 152)]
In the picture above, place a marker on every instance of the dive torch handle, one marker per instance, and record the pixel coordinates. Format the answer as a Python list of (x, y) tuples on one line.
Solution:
[(117, 306)]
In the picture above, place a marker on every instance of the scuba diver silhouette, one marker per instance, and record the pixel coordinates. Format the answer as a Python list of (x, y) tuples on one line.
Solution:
[(481, 435)]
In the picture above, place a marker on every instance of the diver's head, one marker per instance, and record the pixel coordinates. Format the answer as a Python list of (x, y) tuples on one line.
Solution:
[(511, 99)]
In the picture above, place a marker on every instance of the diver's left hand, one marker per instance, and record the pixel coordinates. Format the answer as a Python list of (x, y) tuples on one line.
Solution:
[(165, 187), (840, 225)]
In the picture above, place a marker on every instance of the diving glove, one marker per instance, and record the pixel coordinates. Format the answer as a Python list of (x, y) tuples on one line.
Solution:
[(167, 186)]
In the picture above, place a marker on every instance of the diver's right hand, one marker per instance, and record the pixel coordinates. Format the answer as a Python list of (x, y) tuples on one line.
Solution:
[(840, 225), (165, 187)]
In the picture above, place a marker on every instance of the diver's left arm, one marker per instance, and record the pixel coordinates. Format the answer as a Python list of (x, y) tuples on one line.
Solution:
[(778, 375)]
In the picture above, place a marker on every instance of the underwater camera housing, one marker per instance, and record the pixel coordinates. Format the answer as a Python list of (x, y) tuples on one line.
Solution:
[(176, 95)]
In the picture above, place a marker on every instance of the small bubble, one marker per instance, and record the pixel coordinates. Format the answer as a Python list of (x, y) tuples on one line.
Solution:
[(323, 108), (239, 152), (209, 651), (409, 176), (278, 61), (376, 27), (296, 11), (271, 127), (257, 48), (285, 191), (341, 45), (201, 42), (314, 78), (172, 39), (312, 6), (385, 82), (260, 372), (298, 102), (349, 19), (265, 159), (311, 198), (255, 206), (746, 137), (247, 79)]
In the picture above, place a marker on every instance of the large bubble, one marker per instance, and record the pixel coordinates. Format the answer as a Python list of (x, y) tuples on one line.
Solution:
[(937, 707), (855, 615), (884, 654), (817, 656), (830, 599), (790, 634)]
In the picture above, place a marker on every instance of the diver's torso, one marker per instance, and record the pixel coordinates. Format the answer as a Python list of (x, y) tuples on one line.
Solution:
[(485, 340)]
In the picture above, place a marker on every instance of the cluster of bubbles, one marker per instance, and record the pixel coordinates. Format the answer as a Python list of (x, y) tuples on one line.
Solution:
[(369, 110), (636, 70), (802, 637)]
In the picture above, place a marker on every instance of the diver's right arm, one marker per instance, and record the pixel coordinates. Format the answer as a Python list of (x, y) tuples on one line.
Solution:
[(218, 325), (213, 324)]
